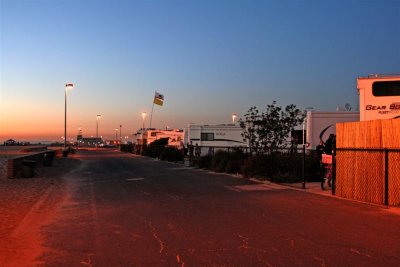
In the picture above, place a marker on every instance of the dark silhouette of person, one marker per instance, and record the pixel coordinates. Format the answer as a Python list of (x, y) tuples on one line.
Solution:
[(330, 144), (197, 150), (191, 148), (320, 149)]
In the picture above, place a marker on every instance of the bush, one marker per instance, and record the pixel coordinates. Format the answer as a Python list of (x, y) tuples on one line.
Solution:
[(126, 148), (281, 168), (219, 161), (235, 161), (155, 149), (278, 167), (205, 162), (257, 166), (171, 154)]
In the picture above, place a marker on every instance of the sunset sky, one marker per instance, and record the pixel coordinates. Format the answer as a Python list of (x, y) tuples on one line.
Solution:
[(208, 58)]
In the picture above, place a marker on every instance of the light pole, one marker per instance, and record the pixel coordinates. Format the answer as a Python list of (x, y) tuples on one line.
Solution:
[(233, 118), (98, 117), (303, 165), (143, 115), (68, 86), (120, 132)]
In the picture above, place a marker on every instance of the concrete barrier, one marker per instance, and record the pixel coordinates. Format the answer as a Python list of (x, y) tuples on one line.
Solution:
[(14, 167)]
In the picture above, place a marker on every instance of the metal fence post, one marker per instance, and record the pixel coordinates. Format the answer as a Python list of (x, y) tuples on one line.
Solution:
[(303, 167), (386, 177), (334, 173)]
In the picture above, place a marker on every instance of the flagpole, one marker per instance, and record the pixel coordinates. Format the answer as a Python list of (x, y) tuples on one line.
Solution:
[(151, 115)]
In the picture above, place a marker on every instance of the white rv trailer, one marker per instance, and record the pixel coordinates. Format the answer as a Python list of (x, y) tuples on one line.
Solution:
[(175, 137), (223, 135), (379, 96), (320, 124)]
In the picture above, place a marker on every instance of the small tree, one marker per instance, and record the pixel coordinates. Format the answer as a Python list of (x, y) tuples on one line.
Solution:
[(250, 125), (268, 131)]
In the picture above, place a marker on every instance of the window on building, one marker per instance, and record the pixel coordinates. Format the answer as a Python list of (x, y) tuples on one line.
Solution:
[(387, 88), (207, 136)]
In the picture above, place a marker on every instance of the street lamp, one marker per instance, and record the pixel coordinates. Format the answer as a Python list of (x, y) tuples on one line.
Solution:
[(68, 86), (143, 115), (120, 132), (233, 117), (98, 117)]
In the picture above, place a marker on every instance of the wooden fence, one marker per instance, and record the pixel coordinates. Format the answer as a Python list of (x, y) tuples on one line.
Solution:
[(368, 161)]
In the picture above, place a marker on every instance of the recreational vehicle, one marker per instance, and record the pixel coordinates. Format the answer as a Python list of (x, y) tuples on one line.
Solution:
[(223, 135), (320, 124), (175, 137), (379, 96)]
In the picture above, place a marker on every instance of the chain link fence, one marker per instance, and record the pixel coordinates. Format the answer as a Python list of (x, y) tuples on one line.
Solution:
[(369, 175), (394, 177)]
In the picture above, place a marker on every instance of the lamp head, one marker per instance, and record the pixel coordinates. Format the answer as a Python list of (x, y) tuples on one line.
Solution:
[(69, 86)]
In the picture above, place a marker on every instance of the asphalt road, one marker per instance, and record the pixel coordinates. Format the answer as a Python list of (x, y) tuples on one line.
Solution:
[(126, 210)]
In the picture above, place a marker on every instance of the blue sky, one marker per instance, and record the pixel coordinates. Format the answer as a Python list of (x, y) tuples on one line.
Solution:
[(208, 58)]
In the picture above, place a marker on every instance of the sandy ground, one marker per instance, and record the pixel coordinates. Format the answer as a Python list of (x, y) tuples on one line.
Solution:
[(22, 198)]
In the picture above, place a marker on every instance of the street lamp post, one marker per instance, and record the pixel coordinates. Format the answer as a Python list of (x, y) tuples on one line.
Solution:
[(97, 130), (303, 165), (120, 132), (143, 115), (303, 157), (67, 87)]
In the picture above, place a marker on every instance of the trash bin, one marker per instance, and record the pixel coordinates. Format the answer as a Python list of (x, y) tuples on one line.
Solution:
[(48, 159), (28, 168)]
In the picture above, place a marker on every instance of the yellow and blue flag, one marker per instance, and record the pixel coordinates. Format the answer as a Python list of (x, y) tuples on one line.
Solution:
[(158, 99)]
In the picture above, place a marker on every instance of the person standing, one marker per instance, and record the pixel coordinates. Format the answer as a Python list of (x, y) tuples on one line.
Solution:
[(330, 144), (197, 150), (190, 148), (320, 149)]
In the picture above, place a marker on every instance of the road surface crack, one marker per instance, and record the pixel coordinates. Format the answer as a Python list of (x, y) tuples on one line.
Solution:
[(156, 237)]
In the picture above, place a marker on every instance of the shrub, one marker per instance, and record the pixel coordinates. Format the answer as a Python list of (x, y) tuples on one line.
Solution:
[(235, 161), (171, 154), (219, 161), (126, 148), (257, 166), (221, 165), (205, 162), (155, 149), (279, 167)]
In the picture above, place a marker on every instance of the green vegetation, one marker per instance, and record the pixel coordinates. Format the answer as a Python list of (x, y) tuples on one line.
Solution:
[(277, 167), (267, 134), (268, 131), (160, 149)]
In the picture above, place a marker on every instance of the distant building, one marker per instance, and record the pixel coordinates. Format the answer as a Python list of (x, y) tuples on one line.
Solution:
[(89, 141), (10, 142)]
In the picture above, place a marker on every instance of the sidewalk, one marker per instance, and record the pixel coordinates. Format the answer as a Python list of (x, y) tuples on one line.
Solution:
[(312, 187), (315, 188)]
